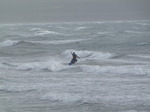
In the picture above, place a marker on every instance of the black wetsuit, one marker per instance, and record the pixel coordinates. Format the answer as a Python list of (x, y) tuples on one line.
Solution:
[(74, 59)]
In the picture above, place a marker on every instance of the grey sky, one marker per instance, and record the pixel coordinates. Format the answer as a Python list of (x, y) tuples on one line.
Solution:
[(12, 11)]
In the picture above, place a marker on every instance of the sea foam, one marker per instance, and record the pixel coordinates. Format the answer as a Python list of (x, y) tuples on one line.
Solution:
[(8, 43), (44, 32), (50, 65)]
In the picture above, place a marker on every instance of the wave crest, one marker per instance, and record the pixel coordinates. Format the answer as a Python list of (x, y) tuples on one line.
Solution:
[(9, 43), (38, 66), (45, 32)]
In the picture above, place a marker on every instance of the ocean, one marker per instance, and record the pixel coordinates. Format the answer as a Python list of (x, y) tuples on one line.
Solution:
[(111, 75)]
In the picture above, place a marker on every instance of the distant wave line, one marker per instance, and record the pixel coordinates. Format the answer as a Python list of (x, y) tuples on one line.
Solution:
[(8, 43)]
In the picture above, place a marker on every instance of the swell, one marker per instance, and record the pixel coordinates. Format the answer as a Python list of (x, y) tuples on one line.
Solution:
[(10, 43), (84, 98), (15, 89)]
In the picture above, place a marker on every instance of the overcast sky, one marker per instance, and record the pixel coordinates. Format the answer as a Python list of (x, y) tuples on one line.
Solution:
[(12, 11)]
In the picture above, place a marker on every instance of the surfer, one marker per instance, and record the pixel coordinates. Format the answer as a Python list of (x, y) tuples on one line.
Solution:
[(74, 58)]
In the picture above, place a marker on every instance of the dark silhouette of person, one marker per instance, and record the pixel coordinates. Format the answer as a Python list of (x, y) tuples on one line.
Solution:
[(74, 58)]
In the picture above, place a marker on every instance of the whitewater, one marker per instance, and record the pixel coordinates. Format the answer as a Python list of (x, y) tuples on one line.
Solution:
[(111, 75)]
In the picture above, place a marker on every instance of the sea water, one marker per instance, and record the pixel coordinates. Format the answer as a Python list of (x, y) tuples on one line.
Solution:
[(111, 75)]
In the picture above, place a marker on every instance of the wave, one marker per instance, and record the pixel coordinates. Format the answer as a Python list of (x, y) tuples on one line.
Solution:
[(41, 32), (5, 65), (85, 98), (71, 98), (17, 88), (142, 43), (35, 29), (120, 70), (9, 43), (133, 32), (45, 32), (141, 56), (60, 97), (103, 33), (144, 24), (80, 28), (56, 42), (50, 65), (2, 66)]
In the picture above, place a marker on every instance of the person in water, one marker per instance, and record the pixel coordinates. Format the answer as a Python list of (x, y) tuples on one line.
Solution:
[(74, 57)]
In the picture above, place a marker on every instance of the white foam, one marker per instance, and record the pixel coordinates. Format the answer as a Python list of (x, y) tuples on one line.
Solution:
[(34, 29), (102, 33), (80, 28), (50, 65), (44, 32), (133, 32), (56, 42), (8, 43)]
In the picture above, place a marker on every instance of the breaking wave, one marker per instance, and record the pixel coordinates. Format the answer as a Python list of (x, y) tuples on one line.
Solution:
[(50, 65), (9, 43)]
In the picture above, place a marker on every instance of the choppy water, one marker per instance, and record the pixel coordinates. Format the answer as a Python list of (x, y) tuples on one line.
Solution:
[(112, 74)]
